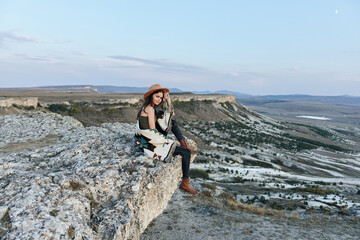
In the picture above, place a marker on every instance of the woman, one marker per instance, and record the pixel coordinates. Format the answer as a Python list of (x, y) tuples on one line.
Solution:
[(152, 128)]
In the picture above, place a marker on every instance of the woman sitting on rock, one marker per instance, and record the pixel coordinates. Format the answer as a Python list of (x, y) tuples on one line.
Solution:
[(152, 127)]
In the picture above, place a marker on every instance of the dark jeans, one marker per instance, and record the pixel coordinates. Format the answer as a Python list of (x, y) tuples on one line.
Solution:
[(184, 152)]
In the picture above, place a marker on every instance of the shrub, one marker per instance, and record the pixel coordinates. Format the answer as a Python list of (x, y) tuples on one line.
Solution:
[(212, 187), (292, 182), (321, 183), (238, 180), (262, 199), (226, 196), (206, 194), (58, 108), (198, 173), (257, 163), (277, 161), (321, 132), (187, 107), (74, 110), (207, 101), (201, 160), (109, 111), (316, 190), (305, 143), (344, 211)]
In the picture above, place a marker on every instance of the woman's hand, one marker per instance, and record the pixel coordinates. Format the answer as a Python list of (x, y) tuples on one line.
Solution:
[(167, 96)]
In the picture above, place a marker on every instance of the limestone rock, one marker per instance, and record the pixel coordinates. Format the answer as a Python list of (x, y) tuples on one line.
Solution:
[(19, 101), (61, 180)]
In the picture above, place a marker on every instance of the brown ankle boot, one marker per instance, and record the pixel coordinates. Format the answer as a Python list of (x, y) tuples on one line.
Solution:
[(185, 185), (185, 144)]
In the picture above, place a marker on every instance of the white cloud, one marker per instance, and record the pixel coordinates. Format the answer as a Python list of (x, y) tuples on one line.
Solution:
[(79, 53), (62, 41), (8, 35), (11, 36), (160, 65), (37, 58), (233, 73)]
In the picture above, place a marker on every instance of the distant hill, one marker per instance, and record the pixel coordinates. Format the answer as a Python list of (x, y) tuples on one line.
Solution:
[(110, 88), (244, 98), (123, 89), (337, 100), (87, 88), (237, 94), (263, 99), (58, 89)]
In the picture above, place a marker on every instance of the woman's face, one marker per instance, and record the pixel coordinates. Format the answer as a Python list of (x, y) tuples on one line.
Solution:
[(157, 98)]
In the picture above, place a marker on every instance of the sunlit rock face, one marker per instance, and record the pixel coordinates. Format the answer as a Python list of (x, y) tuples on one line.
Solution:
[(20, 101), (60, 180)]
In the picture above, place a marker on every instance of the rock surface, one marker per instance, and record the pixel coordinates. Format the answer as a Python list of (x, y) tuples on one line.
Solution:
[(60, 180), (196, 218), (21, 101)]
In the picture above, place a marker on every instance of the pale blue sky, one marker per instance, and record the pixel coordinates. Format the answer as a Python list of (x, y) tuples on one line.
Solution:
[(255, 47)]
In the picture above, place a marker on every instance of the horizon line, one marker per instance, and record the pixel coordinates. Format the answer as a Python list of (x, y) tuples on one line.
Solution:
[(193, 91)]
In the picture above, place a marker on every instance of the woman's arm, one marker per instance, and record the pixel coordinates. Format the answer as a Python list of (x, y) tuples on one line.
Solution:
[(151, 117), (167, 98)]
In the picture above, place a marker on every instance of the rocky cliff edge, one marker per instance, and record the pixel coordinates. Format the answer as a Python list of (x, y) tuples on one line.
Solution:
[(60, 180)]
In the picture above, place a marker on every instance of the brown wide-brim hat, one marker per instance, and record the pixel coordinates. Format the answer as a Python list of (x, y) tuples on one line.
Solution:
[(154, 88)]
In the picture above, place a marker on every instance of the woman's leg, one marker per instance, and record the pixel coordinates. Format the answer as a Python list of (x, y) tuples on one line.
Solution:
[(176, 131), (185, 184), (178, 134), (186, 155)]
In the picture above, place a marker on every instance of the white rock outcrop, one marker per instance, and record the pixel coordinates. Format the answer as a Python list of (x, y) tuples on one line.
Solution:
[(19, 101), (60, 180)]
